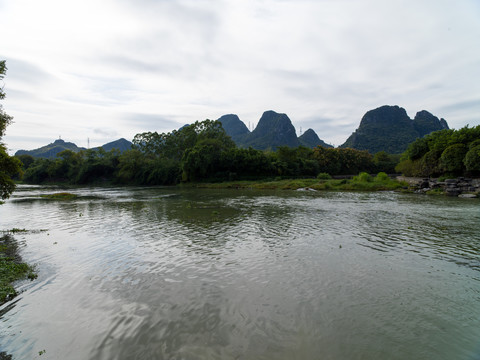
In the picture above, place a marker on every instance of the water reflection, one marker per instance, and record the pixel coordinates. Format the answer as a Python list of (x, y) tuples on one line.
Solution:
[(163, 273)]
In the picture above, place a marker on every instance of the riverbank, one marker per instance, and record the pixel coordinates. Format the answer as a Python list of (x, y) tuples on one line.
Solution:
[(12, 268), (461, 186), (362, 182)]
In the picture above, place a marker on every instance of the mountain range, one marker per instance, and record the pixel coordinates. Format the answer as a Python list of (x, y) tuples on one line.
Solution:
[(273, 130), (50, 151), (387, 128)]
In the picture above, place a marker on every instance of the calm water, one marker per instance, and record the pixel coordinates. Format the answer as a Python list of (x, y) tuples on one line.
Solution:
[(135, 273)]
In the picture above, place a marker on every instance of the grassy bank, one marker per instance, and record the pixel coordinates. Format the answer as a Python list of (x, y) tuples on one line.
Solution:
[(11, 267), (362, 182)]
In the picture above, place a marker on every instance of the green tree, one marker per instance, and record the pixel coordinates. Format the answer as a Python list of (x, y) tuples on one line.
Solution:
[(452, 157), (9, 166), (472, 160), (26, 160)]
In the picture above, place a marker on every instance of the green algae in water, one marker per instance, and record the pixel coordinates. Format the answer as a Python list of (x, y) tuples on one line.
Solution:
[(60, 196)]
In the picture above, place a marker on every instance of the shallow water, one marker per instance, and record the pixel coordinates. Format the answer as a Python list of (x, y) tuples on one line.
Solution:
[(162, 273)]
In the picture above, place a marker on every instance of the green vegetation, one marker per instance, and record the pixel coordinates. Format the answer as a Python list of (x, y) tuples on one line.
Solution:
[(445, 153), (60, 196), (389, 128), (201, 152), (9, 166), (362, 182), (11, 268)]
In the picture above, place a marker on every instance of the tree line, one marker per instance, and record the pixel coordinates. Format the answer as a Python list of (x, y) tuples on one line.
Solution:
[(447, 153), (198, 152), (9, 165)]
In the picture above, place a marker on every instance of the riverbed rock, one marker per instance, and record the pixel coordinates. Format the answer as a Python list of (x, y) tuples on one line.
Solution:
[(467, 196), (451, 187)]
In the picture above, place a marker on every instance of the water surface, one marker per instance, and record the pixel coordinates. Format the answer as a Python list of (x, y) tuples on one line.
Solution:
[(162, 273)]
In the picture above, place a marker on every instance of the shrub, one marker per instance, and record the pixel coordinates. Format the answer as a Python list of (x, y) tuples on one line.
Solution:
[(382, 177), (363, 177), (324, 176)]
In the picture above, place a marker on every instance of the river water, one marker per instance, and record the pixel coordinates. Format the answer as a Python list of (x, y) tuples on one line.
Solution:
[(168, 273)]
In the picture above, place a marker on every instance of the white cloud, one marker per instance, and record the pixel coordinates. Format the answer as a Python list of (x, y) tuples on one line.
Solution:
[(79, 66)]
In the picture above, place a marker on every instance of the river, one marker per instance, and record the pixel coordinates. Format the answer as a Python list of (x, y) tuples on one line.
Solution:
[(171, 273)]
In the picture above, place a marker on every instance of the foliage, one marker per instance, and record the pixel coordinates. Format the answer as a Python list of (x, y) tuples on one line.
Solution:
[(452, 157), (324, 176), (363, 177), (388, 128), (384, 162), (60, 196), (343, 161), (197, 153), (11, 268), (472, 160), (359, 183), (9, 166), (442, 152)]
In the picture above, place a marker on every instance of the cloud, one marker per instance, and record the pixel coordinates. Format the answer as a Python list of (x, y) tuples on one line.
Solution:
[(105, 132), (151, 122), (27, 72), (154, 65), (468, 105)]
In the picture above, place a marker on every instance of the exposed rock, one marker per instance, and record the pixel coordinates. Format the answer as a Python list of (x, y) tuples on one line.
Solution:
[(451, 187), (467, 196)]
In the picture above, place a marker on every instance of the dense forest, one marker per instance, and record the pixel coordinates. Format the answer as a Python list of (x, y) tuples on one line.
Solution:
[(446, 152), (195, 153), (203, 152)]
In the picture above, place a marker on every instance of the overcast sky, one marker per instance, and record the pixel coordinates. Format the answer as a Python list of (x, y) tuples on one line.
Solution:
[(105, 69)]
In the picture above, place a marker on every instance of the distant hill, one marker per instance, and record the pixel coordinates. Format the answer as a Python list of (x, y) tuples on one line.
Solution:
[(310, 139), (388, 128), (273, 130), (234, 127), (120, 144), (50, 151)]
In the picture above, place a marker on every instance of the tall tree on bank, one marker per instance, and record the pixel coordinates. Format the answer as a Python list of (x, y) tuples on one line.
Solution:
[(9, 166)]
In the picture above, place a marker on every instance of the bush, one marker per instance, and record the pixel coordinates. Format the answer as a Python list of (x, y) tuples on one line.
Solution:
[(472, 160), (382, 177), (324, 176), (363, 177)]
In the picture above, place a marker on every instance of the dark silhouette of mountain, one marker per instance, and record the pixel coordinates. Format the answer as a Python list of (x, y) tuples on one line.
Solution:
[(388, 128), (425, 123), (50, 151), (120, 144), (234, 127), (310, 139), (273, 130)]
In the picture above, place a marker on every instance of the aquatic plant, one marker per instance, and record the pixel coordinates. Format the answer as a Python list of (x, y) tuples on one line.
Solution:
[(11, 268), (60, 196)]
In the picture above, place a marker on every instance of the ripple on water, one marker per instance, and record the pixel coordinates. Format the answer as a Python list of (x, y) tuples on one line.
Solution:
[(161, 273)]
